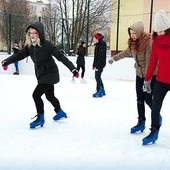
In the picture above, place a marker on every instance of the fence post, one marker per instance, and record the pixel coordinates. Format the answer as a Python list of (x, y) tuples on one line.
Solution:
[(62, 35), (151, 13), (9, 32), (118, 14)]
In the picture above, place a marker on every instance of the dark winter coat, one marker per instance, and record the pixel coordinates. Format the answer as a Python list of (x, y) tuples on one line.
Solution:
[(100, 55), (16, 50), (46, 70), (81, 52)]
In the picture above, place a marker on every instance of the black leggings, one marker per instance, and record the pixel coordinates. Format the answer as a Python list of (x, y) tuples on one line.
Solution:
[(143, 97), (83, 69), (159, 93), (48, 90)]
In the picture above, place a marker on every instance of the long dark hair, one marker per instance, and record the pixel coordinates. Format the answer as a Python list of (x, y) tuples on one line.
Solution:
[(135, 44), (154, 34)]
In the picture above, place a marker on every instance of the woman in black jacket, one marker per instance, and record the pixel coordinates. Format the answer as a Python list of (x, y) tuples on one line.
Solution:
[(81, 52), (41, 52)]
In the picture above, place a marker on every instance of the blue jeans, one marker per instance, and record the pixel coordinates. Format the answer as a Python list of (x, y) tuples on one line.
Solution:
[(16, 66), (99, 81)]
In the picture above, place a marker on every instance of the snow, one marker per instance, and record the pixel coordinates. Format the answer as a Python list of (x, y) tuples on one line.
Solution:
[(96, 136)]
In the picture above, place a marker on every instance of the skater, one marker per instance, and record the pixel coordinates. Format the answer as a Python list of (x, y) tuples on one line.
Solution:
[(16, 50), (81, 52), (160, 56), (139, 47), (41, 51), (99, 63)]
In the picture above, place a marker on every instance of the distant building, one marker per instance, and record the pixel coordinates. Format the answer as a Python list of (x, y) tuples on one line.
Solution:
[(38, 8), (130, 12)]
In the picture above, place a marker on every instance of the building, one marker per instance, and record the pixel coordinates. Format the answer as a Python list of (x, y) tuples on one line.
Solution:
[(130, 12), (38, 8)]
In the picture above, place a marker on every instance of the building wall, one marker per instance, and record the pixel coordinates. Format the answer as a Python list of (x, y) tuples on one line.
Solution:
[(130, 12)]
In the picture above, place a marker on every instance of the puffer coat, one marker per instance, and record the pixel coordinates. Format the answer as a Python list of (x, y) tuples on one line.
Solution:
[(141, 56), (99, 61), (46, 70)]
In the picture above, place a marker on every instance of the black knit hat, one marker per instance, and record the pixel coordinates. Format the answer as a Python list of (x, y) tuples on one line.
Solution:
[(83, 42)]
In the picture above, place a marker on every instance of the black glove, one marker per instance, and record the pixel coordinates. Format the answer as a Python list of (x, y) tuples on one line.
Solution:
[(63, 52), (75, 73), (4, 63)]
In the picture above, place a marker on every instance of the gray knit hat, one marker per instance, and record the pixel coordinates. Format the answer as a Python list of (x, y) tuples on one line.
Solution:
[(161, 21)]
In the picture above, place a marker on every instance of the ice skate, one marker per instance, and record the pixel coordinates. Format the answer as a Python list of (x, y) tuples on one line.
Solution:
[(152, 137), (38, 122), (139, 127), (83, 81), (16, 73), (98, 94), (103, 91), (60, 115)]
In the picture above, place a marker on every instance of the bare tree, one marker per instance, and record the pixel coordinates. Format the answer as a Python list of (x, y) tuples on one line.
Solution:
[(73, 14), (52, 21), (15, 17)]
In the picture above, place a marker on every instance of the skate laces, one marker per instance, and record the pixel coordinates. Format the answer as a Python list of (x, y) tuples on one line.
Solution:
[(36, 116)]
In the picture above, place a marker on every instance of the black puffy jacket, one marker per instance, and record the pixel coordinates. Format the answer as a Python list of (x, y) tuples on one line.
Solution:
[(100, 55), (81, 52), (46, 70)]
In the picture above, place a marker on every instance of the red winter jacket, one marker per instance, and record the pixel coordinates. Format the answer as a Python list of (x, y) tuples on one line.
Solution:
[(160, 56)]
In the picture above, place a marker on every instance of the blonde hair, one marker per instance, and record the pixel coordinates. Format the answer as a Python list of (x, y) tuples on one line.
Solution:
[(28, 40)]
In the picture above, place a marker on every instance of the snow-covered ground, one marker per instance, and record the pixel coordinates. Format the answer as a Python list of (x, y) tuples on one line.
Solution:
[(96, 136)]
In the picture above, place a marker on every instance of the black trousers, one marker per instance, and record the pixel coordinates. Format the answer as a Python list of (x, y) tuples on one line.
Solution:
[(143, 97), (48, 90), (83, 69), (159, 93), (99, 82)]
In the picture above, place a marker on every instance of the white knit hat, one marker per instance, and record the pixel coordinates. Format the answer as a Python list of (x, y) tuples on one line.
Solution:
[(161, 21)]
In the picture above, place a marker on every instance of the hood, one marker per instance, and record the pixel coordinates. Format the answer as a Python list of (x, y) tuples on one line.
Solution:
[(39, 27), (163, 40), (138, 27)]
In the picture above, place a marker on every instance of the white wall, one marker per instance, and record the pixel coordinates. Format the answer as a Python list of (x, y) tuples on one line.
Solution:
[(121, 70)]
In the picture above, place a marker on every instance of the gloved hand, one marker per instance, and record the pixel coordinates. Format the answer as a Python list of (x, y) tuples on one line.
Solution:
[(75, 73), (4, 65), (63, 52), (147, 86), (111, 60)]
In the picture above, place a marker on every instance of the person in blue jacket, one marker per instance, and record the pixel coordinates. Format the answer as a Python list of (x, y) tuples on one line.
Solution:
[(41, 52)]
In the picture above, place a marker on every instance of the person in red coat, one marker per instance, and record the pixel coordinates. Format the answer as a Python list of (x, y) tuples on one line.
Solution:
[(160, 57)]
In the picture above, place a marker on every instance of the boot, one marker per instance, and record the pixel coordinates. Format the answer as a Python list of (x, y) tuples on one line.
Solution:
[(139, 127), (103, 92), (59, 115), (160, 120), (83, 81), (152, 137), (38, 122), (16, 73), (99, 93)]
